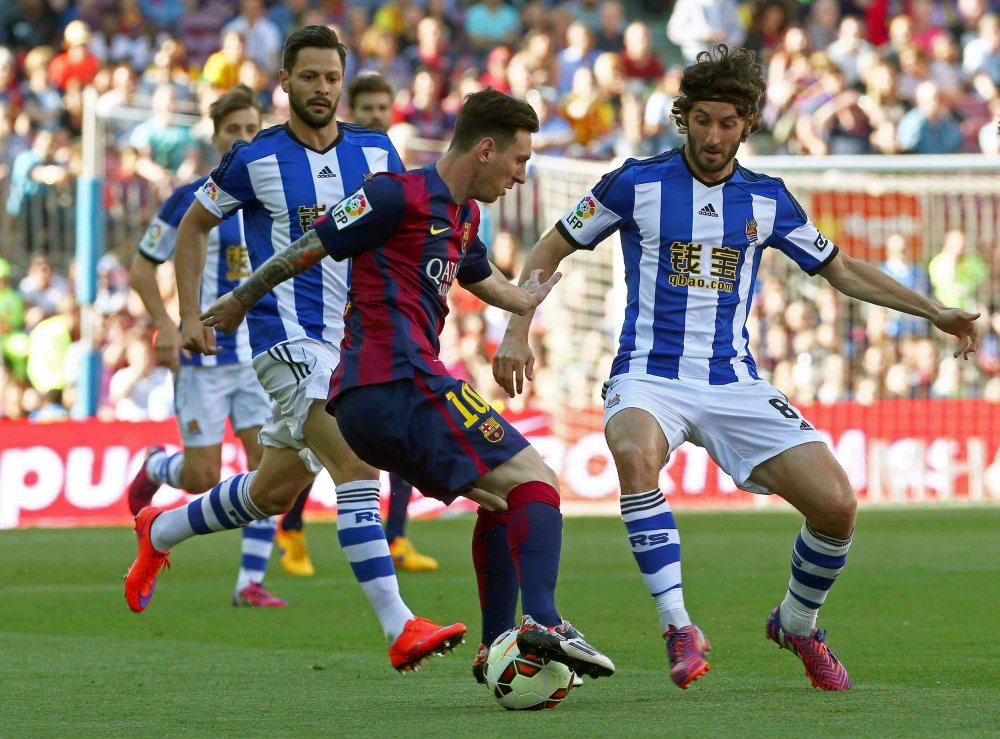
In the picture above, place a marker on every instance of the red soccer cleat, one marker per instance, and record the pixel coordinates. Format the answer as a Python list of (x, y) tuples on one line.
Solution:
[(141, 490), (140, 580), (422, 638), (822, 666), (479, 663), (256, 595), (686, 651)]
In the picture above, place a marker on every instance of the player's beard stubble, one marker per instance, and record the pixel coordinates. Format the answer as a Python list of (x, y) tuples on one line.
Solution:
[(310, 118), (723, 155)]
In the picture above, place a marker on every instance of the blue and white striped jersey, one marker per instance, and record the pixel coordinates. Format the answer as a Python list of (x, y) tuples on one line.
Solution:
[(282, 186), (226, 264), (692, 252)]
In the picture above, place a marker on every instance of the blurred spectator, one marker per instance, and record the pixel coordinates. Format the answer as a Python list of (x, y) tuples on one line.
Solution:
[(929, 23), (836, 123), (554, 132), (695, 25), (49, 367), (42, 99), (76, 63), (200, 28), (659, 125), (767, 29), (491, 23), (10, 96), (957, 274), (27, 24), (13, 346), (822, 23), (591, 116), (639, 62), (495, 75), (578, 54), (261, 37), (164, 14), (882, 104), (120, 42), (35, 174), (222, 68), (432, 50), (982, 53), (929, 128), (163, 145), (899, 266), (141, 390), (610, 32), (380, 55), (424, 107), (42, 290), (850, 51)]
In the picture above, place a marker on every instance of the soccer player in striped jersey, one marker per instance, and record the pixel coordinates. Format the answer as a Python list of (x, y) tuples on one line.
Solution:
[(283, 180), (409, 238), (208, 389), (693, 226)]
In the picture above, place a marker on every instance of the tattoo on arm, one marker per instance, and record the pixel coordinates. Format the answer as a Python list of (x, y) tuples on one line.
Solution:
[(298, 257)]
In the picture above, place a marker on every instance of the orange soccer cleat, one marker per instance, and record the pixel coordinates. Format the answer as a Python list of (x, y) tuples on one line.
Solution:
[(422, 638), (140, 580)]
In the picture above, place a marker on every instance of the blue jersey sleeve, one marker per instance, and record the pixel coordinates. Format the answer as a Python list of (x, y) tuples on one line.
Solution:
[(366, 218), (160, 240), (475, 265), (602, 211), (229, 187), (795, 235)]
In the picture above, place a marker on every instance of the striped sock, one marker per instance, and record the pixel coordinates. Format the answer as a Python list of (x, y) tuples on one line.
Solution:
[(359, 530), (817, 559), (165, 468), (656, 546), (258, 541), (226, 506)]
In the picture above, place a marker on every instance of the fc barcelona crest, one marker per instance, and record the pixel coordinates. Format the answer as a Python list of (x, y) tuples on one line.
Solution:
[(492, 430), (466, 234)]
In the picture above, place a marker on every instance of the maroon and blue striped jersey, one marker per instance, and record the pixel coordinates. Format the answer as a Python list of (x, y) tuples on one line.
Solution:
[(408, 242)]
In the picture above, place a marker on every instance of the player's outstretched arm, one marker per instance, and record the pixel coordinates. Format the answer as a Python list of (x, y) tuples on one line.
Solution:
[(497, 291), (227, 313), (514, 360), (863, 281), (189, 265)]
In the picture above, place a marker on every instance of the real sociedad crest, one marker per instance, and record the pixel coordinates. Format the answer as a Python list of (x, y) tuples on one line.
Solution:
[(752, 231)]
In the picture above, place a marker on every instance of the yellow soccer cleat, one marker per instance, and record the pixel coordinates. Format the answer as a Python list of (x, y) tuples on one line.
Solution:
[(406, 557), (294, 553)]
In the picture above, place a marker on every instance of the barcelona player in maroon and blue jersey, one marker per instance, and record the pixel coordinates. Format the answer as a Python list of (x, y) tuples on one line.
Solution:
[(410, 237)]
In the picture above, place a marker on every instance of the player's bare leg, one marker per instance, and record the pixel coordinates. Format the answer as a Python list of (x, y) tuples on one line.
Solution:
[(824, 496), (534, 531), (640, 450), (359, 529)]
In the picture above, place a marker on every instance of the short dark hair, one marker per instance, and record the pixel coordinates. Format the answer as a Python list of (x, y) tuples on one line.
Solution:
[(310, 37), (721, 75), (491, 114), (238, 98), (365, 84)]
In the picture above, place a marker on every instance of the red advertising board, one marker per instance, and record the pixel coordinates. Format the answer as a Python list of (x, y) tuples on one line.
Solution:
[(74, 473)]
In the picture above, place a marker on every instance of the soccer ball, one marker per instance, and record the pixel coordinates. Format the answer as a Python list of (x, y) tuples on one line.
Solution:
[(523, 682)]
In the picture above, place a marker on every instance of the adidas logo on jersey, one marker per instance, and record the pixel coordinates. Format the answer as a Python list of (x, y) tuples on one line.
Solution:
[(326, 173), (804, 426), (708, 210)]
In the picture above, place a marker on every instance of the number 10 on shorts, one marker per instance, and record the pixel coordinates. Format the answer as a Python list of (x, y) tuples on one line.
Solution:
[(472, 400)]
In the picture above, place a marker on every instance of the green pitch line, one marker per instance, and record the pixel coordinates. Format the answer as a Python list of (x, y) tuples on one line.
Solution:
[(913, 618)]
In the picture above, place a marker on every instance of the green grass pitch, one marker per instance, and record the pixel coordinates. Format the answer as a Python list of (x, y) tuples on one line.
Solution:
[(914, 618)]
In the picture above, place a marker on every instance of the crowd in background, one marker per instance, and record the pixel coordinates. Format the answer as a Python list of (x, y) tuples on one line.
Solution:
[(868, 76)]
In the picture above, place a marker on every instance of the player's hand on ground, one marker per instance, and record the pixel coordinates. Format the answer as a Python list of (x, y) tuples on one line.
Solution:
[(225, 315), (167, 345), (512, 362), (195, 337), (961, 324), (537, 291)]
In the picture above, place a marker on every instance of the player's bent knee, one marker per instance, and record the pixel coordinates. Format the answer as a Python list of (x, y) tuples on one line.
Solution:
[(202, 479)]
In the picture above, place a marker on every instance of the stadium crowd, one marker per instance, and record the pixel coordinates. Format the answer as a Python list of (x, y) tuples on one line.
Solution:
[(844, 77)]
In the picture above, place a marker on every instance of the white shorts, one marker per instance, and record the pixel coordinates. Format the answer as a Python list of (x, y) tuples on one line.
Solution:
[(740, 425), (204, 397), (295, 374)]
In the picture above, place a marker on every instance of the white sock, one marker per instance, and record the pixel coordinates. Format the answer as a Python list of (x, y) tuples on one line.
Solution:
[(359, 529)]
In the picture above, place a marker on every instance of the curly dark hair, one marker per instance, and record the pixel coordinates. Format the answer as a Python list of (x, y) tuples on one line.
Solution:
[(723, 75)]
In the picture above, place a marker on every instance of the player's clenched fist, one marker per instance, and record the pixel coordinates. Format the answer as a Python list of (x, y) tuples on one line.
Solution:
[(225, 314)]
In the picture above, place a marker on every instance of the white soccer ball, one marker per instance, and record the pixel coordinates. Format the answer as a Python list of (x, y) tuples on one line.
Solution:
[(523, 682)]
